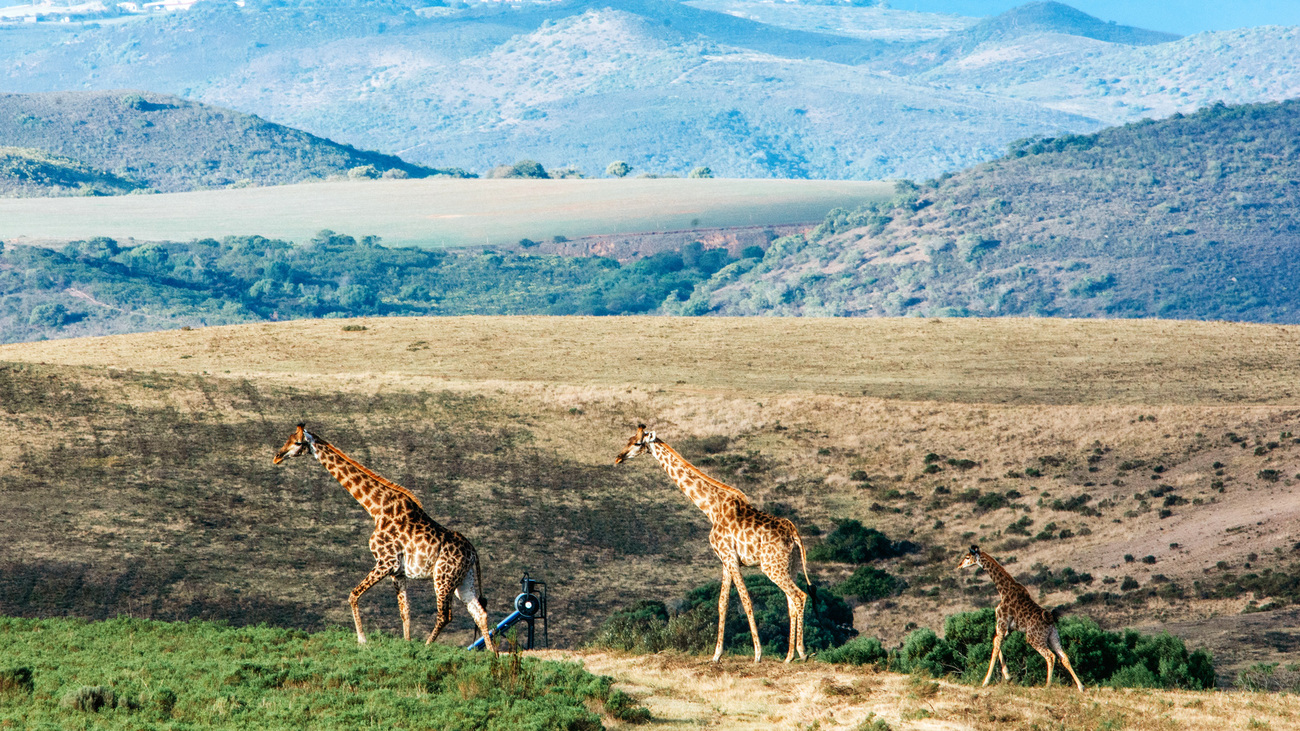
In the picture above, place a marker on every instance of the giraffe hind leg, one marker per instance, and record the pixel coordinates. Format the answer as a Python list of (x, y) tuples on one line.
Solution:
[(1055, 639), (749, 610), (997, 652), (403, 605), (469, 593), (795, 600), (443, 589), (723, 599), (1051, 663), (377, 574)]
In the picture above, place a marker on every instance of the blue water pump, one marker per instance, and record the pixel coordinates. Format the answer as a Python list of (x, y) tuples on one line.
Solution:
[(530, 606)]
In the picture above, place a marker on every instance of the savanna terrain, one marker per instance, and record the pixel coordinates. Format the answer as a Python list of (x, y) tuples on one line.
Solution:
[(1154, 460)]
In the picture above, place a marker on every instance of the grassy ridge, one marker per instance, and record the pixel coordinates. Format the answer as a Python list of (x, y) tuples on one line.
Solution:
[(131, 673)]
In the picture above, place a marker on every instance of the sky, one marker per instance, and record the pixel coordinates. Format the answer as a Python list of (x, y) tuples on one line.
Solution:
[(1172, 16)]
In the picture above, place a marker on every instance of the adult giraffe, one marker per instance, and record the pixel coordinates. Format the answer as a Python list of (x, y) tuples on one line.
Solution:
[(406, 542), (742, 535)]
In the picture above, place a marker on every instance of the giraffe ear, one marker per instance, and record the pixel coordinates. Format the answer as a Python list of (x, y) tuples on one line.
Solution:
[(640, 427), (975, 550)]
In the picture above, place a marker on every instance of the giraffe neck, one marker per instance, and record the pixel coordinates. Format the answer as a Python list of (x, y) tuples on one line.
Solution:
[(708, 494), (369, 489), (1001, 579)]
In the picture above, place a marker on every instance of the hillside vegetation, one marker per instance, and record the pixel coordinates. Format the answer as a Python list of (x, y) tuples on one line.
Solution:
[(26, 172), (746, 88), (117, 141), (1189, 217), (1135, 473)]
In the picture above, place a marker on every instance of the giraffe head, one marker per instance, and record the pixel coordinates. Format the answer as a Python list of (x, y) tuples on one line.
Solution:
[(637, 444), (299, 442), (972, 558)]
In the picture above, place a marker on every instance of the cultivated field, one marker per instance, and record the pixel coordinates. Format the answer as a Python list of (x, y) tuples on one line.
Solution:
[(437, 212), (137, 478)]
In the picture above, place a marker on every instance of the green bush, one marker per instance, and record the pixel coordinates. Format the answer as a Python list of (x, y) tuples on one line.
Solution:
[(869, 584), (857, 651), (1115, 659), (852, 542), (148, 674), (648, 627)]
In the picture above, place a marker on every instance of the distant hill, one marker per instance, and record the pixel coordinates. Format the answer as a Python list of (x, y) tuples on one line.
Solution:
[(747, 88), (27, 172), (116, 141), (1190, 217)]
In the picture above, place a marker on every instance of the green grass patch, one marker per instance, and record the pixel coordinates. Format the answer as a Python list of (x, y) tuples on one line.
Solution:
[(131, 674)]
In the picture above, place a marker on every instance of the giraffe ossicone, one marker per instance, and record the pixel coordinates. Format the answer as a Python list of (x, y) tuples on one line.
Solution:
[(742, 535), (1017, 610), (406, 542)]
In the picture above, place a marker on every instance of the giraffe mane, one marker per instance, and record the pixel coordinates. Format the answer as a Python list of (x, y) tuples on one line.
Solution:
[(709, 480), (371, 474)]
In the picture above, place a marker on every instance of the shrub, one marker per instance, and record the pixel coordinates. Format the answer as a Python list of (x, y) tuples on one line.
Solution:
[(991, 501), (1128, 584), (1076, 504), (89, 698), (858, 651), (699, 172), (1126, 659), (647, 626), (16, 680), (852, 542), (48, 315), (869, 584), (1269, 475)]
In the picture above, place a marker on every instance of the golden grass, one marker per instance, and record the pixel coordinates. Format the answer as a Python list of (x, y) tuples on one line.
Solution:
[(687, 692), (953, 360), (439, 212)]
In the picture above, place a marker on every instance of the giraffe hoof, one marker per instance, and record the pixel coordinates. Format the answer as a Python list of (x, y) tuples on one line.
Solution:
[(361, 640)]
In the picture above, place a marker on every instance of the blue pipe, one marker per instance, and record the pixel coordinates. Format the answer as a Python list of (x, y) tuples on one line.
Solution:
[(505, 625)]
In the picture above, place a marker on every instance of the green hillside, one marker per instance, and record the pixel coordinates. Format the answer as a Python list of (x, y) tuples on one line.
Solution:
[(133, 674), (28, 172), (819, 91), (1189, 217), (167, 144)]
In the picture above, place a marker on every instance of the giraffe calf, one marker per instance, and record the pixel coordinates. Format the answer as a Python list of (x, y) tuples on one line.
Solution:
[(1017, 610)]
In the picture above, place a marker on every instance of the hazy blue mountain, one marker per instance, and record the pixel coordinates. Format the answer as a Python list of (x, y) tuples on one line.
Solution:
[(1189, 217), (768, 91), (117, 141)]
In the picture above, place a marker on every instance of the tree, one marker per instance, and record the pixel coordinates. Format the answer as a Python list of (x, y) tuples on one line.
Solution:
[(618, 169), (701, 172)]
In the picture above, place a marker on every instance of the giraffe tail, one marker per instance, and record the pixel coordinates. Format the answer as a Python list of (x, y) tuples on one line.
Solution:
[(812, 588)]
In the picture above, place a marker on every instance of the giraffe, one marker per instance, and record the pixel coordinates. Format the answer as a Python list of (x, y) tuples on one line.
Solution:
[(742, 535), (1017, 610), (406, 542)]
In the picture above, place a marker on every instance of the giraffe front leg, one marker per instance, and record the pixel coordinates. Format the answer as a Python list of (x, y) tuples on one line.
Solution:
[(749, 611), (403, 606), (376, 575), (1003, 662), (723, 598)]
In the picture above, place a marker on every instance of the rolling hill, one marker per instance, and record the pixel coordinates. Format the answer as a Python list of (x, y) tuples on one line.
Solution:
[(139, 480), (117, 141), (746, 88), (1188, 217)]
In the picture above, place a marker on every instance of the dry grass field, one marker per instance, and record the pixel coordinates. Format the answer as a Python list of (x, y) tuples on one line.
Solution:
[(691, 693), (135, 477), (437, 212)]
